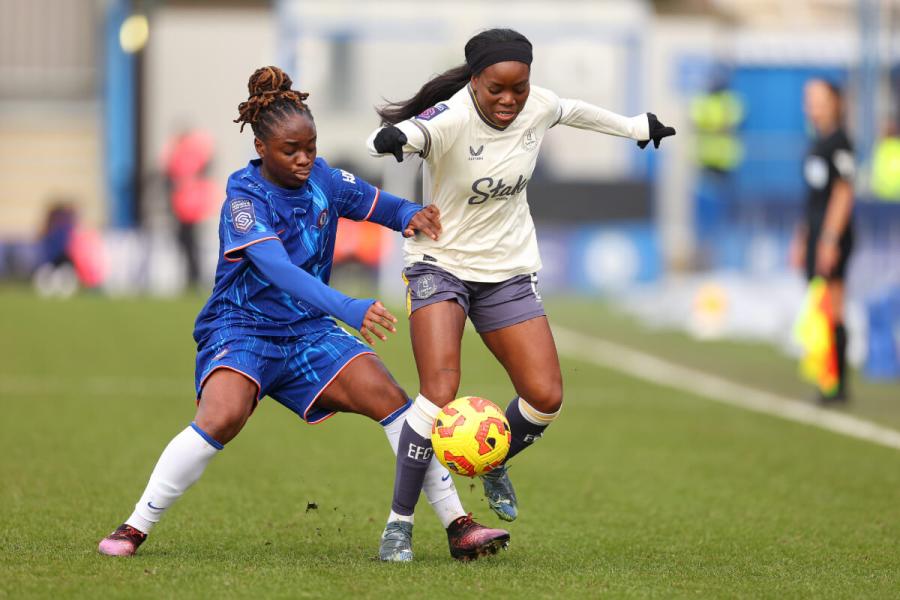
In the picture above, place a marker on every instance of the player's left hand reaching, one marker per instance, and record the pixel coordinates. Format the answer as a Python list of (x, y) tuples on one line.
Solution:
[(657, 132), (390, 140), (377, 316), (427, 221)]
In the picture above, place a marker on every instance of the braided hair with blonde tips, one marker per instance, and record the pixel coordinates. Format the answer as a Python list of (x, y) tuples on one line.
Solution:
[(271, 99)]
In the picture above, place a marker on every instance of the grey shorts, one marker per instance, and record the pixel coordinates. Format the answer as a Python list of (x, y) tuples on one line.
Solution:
[(490, 306)]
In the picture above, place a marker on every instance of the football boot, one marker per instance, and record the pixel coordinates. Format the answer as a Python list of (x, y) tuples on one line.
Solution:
[(470, 540), (124, 541), (500, 494), (396, 542)]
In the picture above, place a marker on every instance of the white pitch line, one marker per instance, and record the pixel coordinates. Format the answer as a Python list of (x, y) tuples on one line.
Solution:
[(662, 372)]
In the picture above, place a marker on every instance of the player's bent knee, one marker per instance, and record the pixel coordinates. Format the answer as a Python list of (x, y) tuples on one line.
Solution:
[(547, 398), (441, 391), (222, 425), (391, 398), (223, 415)]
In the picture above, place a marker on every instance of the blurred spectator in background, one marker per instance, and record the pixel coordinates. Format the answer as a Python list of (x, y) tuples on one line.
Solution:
[(70, 253), (716, 116), (186, 163), (886, 166), (59, 226), (823, 241)]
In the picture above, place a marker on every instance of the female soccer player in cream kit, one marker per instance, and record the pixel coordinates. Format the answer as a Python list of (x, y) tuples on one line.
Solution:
[(479, 128)]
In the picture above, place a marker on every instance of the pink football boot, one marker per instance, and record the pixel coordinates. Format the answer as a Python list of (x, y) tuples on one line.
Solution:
[(470, 540), (124, 541)]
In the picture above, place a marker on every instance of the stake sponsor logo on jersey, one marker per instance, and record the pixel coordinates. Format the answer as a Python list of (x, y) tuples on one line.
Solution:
[(430, 113), (487, 189), (242, 215)]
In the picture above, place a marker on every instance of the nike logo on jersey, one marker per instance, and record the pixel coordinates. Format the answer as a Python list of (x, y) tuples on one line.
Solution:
[(150, 504), (446, 477), (486, 189)]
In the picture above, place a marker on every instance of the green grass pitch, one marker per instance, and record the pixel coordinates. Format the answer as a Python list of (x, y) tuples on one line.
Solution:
[(637, 491)]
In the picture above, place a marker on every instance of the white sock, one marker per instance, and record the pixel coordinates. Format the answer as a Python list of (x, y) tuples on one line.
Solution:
[(441, 493), (179, 466), (438, 486), (395, 517), (421, 416)]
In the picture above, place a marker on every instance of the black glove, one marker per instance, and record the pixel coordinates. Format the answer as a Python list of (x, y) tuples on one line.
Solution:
[(657, 132), (390, 140)]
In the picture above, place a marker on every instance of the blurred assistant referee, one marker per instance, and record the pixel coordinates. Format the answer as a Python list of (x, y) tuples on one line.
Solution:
[(824, 240)]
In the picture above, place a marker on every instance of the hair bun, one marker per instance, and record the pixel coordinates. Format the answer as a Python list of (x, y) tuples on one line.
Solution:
[(269, 86), (268, 80)]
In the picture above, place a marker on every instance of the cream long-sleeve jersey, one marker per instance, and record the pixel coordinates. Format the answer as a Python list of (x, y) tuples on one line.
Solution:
[(477, 174)]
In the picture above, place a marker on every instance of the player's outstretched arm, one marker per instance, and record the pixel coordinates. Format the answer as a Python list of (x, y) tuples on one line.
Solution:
[(359, 200), (273, 262), (583, 115)]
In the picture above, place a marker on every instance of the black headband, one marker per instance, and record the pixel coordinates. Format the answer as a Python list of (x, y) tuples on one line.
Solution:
[(519, 51)]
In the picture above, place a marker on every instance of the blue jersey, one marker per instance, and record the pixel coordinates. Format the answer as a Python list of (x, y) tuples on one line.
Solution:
[(305, 221)]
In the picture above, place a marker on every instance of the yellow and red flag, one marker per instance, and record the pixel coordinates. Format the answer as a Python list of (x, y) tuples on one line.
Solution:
[(814, 330)]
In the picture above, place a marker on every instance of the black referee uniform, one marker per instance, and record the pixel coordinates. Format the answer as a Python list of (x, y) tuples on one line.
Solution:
[(828, 160)]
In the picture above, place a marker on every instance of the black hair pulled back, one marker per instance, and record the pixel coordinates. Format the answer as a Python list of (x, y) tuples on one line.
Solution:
[(444, 85)]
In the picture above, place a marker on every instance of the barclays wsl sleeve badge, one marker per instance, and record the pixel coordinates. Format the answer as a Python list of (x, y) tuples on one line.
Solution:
[(242, 215), (430, 113)]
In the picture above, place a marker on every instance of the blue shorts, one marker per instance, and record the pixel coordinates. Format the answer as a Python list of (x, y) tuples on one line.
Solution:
[(293, 370)]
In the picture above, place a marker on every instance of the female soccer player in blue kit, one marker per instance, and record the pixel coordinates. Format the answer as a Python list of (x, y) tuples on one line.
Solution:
[(267, 328), (479, 128)]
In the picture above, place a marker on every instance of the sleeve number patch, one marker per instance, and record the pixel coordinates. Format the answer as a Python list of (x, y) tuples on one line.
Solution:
[(242, 215)]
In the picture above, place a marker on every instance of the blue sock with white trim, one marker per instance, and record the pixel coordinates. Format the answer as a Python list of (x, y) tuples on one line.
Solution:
[(179, 466)]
